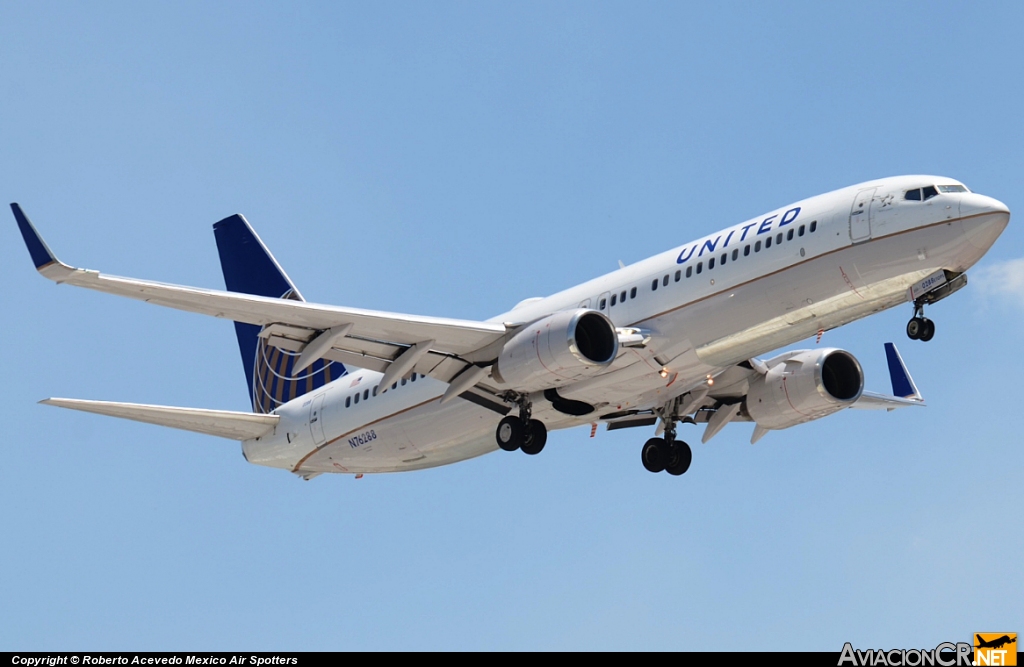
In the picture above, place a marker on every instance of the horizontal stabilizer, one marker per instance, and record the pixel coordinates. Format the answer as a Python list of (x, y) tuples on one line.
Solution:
[(221, 423)]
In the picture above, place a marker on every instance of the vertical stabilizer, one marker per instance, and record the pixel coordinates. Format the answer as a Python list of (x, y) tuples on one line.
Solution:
[(249, 268)]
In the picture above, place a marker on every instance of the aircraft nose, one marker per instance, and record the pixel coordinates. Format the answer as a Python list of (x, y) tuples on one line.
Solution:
[(984, 219), (971, 203)]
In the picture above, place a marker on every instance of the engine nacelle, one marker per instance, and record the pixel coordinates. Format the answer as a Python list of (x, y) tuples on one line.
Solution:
[(556, 350), (809, 385)]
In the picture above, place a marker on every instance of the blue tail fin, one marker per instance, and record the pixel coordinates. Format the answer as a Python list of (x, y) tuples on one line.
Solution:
[(250, 268)]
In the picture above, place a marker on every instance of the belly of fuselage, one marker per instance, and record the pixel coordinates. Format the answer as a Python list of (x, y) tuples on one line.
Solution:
[(826, 291), (422, 435), (738, 323)]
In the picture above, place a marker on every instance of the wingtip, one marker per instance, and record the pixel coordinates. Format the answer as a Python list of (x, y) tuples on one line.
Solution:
[(903, 384), (41, 254)]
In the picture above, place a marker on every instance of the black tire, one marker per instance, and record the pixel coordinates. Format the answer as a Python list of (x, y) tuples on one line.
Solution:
[(927, 330), (679, 457), (509, 433), (914, 327), (536, 437), (654, 454)]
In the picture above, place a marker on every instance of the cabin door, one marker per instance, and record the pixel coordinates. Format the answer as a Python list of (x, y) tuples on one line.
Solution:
[(860, 216), (316, 420)]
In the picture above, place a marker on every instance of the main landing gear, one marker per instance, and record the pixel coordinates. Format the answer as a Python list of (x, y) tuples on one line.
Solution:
[(920, 327), (668, 454), (521, 432)]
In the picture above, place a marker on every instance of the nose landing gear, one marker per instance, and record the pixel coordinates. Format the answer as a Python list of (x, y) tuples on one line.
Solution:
[(521, 432), (920, 327)]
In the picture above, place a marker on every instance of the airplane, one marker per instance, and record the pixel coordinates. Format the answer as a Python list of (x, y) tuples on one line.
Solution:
[(998, 642), (671, 339)]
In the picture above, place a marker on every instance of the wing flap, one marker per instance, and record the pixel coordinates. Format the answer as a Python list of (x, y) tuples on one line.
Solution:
[(221, 423)]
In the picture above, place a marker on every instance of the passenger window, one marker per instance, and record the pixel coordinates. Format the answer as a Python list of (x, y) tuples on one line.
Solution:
[(789, 235), (348, 401), (778, 239), (413, 378), (800, 232), (357, 398), (725, 257), (622, 297), (632, 293), (814, 225), (664, 281), (768, 242), (689, 271), (679, 274), (366, 394), (602, 304), (654, 284), (375, 390), (913, 195), (757, 246), (394, 385), (711, 263), (746, 250), (735, 254), (929, 192), (614, 298), (403, 382), (700, 266)]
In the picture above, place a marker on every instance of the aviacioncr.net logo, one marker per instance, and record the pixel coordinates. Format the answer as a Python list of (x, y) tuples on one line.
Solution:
[(946, 654), (995, 648)]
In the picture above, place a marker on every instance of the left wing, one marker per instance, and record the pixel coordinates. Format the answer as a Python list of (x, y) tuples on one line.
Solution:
[(724, 401), (364, 338), (905, 392)]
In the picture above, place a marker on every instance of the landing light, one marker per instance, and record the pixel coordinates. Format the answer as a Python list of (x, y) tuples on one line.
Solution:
[(711, 381), (663, 372)]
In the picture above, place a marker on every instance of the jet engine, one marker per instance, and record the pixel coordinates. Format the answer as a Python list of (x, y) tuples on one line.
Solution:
[(808, 385), (558, 349)]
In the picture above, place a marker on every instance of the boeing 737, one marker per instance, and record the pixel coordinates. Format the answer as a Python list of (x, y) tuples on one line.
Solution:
[(671, 339)]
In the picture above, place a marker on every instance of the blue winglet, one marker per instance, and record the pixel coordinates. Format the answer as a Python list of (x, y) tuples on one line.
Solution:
[(41, 254), (902, 384)]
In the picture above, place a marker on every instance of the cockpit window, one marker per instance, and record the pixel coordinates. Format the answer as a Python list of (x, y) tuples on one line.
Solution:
[(924, 194)]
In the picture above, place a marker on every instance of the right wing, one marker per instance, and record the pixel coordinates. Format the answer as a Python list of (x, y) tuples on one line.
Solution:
[(364, 338)]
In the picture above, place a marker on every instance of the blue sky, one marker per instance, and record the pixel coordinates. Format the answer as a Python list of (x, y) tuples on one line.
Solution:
[(452, 159)]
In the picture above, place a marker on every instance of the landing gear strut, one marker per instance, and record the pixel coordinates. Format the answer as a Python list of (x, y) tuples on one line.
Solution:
[(920, 327), (521, 432), (668, 454)]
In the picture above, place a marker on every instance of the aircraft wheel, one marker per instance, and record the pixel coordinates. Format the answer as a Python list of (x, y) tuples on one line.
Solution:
[(927, 330), (510, 433), (536, 437), (679, 457), (915, 327), (654, 454)]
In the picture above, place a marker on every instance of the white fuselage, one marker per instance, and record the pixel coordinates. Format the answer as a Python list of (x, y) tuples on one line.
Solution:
[(868, 246)]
